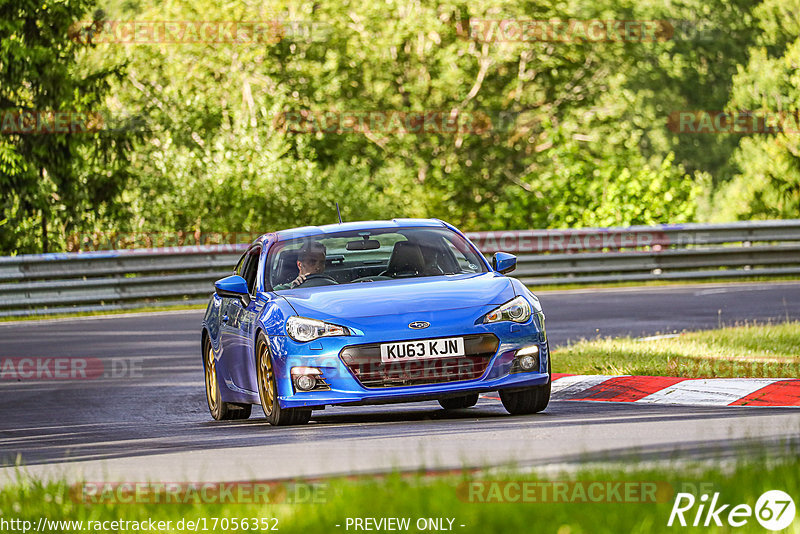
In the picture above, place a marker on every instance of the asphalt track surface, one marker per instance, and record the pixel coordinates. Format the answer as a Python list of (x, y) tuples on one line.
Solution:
[(153, 423)]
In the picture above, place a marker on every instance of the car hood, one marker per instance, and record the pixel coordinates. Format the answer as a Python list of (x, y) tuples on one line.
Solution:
[(399, 297)]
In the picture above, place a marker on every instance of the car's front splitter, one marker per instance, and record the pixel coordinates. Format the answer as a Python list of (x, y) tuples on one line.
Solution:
[(411, 393)]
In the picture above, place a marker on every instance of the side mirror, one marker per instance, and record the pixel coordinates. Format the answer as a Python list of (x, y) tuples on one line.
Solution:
[(502, 262), (233, 286)]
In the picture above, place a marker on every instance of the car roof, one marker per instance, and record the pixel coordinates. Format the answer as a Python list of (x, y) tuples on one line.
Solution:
[(305, 231)]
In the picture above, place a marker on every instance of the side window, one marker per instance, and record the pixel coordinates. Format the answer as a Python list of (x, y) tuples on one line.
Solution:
[(240, 265), (250, 268)]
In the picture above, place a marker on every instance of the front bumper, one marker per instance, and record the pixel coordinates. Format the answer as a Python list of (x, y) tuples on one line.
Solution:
[(345, 387), (411, 393)]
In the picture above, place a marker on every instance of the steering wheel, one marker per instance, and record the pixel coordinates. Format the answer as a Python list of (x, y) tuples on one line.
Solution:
[(318, 280)]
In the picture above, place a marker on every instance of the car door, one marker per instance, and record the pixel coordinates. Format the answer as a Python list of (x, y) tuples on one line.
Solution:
[(239, 329), (227, 332)]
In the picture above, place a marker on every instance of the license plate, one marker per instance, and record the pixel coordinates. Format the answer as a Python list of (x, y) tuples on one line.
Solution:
[(422, 349)]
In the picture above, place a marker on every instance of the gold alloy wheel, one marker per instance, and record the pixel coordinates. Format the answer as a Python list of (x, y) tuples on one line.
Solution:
[(265, 379), (211, 378)]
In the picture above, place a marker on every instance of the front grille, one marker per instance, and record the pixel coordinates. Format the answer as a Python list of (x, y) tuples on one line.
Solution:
[(364, 361)]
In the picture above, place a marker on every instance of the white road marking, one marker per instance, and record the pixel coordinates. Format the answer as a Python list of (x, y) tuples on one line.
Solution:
[(708, 391), (730, 290)]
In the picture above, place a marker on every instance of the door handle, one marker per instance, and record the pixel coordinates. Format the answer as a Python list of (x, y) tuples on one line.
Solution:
[(225, 318)]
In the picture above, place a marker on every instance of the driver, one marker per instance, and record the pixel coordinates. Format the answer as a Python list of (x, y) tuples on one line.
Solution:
[(310, 260)]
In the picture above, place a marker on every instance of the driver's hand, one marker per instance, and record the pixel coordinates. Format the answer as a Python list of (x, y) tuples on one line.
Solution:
[(297, 281)]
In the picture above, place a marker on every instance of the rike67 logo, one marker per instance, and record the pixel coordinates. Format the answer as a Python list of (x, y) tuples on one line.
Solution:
[(774, 510)]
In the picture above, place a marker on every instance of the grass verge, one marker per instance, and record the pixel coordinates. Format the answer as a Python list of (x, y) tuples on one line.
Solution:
[(767, 350), (72, 315), (607, 500)]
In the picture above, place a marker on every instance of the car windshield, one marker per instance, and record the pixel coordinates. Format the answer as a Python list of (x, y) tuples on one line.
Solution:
[(369, 255)]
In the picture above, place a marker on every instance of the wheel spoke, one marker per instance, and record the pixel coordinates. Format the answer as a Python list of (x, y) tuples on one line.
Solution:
[(211, 378), (267, 390)]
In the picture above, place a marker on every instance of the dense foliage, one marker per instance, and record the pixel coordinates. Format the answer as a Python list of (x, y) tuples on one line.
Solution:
[(203, 136), (53, 184)]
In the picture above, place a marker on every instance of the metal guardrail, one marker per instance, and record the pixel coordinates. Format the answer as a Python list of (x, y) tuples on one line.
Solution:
[(112, 280), (127, 279)]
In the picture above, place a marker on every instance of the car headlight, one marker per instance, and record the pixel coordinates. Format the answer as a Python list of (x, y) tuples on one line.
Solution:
[(305, 329), (517, 310)]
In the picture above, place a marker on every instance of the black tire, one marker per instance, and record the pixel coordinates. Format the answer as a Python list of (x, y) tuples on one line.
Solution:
[(530, 400), (456, 403), (267, 389), (220, 410)]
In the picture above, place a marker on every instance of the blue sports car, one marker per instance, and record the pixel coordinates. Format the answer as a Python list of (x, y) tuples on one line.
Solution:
[(369, 313)]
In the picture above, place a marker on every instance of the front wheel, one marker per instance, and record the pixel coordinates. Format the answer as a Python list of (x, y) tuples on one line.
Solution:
[(268, 391), (220, 410), (529, 400)]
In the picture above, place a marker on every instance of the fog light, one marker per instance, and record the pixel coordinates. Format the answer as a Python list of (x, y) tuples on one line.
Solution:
[(528, 358), (305, 382), (527, 363), (305, 378)]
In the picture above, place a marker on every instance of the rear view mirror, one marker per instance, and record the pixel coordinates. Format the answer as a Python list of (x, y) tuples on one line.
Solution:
[(363, 244)]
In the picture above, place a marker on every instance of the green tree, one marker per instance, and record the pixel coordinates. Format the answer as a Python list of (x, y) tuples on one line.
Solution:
[(768, 184), (52, 184), (578, 134)]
